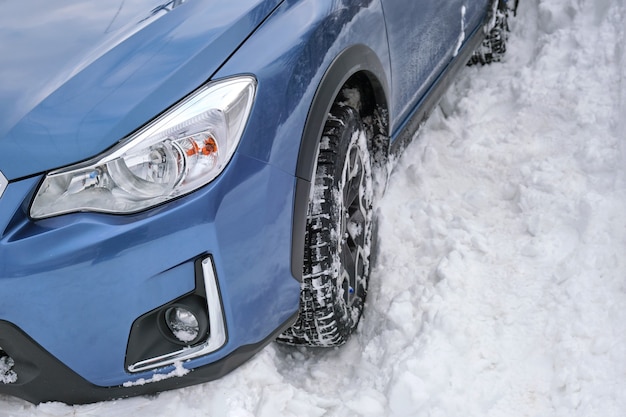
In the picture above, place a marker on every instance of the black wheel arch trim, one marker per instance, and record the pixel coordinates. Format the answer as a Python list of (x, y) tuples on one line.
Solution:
[(355, 59)]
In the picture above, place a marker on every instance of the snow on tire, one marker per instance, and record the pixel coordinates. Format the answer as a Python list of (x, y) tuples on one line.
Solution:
[(338, 235)]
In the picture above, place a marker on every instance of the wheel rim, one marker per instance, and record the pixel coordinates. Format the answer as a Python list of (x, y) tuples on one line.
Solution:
[(354, 226)]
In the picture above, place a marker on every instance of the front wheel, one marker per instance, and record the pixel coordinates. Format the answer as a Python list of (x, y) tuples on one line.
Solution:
[(338, 236)]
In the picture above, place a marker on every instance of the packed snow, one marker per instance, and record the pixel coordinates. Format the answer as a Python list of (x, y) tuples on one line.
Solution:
[(499, 286), (7, 374)]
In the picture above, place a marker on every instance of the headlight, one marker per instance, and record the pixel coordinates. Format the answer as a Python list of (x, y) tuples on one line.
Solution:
[(179, 152)]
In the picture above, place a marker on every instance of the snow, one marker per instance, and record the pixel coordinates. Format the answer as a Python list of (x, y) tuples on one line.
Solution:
[(461, 39), (178, 371), (499, 287), (7, 375)]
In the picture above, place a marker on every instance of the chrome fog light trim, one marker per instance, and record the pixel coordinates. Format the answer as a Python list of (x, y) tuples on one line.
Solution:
[(217, 328), (3, 183)]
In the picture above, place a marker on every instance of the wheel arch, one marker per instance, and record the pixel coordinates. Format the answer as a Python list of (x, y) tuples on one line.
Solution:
[(356, 67)]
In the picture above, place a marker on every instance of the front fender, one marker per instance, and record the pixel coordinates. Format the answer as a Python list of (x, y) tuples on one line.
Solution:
[(297, 55), (301, 56)]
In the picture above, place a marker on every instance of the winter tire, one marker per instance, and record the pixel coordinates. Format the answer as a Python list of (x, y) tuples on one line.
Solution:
[(338, 235), (493, 47)]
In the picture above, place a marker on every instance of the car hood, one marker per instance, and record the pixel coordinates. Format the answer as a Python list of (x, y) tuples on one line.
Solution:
[(76, 76)]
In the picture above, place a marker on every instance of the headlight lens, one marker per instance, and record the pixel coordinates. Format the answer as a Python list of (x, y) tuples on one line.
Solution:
[(179, 152)]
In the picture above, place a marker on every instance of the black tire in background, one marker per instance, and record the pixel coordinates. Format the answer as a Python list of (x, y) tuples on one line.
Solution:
[(493, 47), (338, 236)]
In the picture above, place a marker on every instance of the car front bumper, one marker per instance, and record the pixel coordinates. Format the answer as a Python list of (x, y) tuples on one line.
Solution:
[(72, 287)]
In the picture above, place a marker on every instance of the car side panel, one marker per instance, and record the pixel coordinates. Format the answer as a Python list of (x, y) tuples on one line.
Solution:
[(475, 12), (423, 35)]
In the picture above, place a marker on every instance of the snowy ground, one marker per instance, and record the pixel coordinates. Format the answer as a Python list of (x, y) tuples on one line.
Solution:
[(500, 285)]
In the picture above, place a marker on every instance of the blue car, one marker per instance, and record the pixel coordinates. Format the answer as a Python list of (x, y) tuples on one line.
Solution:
[(183, 182)]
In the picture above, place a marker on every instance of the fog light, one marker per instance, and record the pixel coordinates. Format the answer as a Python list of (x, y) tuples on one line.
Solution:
[(186, 322), (151, 348), (183, 324)]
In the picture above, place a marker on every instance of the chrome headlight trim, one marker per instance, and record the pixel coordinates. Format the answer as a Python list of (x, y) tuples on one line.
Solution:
[(182, 150)]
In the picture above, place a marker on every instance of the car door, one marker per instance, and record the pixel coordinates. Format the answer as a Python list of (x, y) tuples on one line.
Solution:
[(423, 37), (475, 13)]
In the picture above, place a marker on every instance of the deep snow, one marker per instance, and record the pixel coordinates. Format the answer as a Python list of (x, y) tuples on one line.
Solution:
[(500, 282)]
